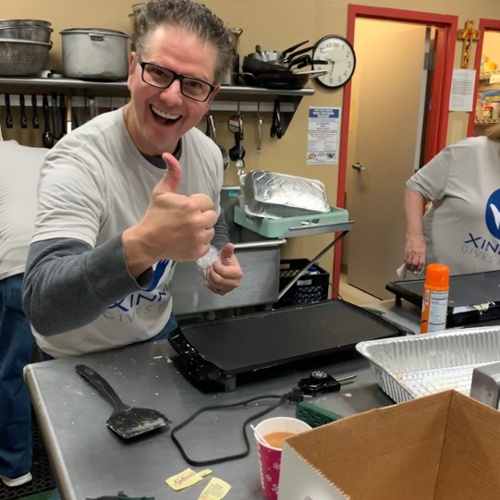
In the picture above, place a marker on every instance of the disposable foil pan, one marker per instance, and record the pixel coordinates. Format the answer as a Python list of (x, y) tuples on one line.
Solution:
[(273, 195), (412, 367)]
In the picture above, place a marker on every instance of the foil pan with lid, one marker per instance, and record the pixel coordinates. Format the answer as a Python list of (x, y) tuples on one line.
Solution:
[(273, 195)]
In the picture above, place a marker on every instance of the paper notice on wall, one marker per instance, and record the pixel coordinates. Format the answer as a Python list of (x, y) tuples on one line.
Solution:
[(323, 136), (462, 90)]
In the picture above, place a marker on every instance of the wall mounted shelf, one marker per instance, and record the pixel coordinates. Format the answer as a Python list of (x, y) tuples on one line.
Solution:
[(231, 98)]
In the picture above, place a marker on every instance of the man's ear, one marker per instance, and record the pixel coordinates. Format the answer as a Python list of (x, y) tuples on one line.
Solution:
[(132, 63), (213, 94)]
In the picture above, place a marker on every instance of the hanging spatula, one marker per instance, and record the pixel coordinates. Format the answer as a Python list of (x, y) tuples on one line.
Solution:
[(126, 421)]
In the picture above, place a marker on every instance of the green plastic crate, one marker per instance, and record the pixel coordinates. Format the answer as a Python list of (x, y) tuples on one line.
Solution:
[(277, 228)]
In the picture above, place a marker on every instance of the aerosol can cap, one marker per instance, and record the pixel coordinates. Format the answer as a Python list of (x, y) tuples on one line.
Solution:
[(437, 276)]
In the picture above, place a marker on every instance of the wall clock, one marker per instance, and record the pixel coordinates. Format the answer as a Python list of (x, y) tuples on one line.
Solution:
[(340, 57)]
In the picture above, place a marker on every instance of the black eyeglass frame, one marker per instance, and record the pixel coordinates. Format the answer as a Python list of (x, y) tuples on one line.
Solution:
[(177, 76)]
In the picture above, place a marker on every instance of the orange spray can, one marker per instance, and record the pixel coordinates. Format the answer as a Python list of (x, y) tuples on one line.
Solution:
[(435, 298)]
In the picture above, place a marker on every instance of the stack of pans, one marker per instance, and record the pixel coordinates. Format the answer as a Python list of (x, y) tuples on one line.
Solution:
[(24, 46)]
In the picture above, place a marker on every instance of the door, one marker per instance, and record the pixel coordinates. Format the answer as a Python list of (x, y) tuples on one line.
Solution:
[(385, 137)]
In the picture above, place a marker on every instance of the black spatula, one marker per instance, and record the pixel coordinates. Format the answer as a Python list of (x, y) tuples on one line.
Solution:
[(126, 421)]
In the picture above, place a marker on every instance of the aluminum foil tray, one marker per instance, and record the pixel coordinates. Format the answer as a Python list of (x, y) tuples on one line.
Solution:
[(411, 367), (273, 195)]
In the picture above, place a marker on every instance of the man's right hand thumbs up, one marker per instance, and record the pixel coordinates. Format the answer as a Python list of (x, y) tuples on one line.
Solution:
[(174, 227), (172, 177)]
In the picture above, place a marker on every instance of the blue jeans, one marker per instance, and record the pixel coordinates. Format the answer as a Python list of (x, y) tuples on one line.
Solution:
[(16, 347), (167, 329)]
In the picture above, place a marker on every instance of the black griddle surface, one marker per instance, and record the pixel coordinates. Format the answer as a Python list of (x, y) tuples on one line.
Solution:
[(465, 289), (245, 343)]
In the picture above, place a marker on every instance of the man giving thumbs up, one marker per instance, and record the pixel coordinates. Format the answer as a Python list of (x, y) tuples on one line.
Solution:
[(133, 191)]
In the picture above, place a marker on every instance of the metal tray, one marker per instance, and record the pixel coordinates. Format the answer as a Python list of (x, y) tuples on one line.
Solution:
[(411, 367), (278, 228)]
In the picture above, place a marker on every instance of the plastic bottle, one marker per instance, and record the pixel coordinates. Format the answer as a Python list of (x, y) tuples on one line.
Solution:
[(435, 298)]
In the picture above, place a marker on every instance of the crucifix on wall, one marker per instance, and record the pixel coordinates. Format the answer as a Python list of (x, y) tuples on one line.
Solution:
[(468, 35)]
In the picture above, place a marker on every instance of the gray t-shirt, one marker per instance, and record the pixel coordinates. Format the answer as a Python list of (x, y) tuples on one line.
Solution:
[(78, 292), (462, 228), (19, 169)]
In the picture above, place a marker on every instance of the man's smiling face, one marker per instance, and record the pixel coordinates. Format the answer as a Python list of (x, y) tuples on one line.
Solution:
[(157, 118)]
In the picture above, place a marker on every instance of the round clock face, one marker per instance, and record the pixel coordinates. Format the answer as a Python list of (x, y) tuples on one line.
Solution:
[(340, 57)]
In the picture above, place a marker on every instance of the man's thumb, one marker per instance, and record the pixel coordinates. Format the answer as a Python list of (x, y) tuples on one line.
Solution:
[(172, 178), (226, 253)]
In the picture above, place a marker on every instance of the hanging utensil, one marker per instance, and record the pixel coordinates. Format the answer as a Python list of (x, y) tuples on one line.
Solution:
[(9, 122), (35, 123), (22, 104), (69, 113), (62, 111), (260, 120), (212, 133), (276, 127), (235, 125), (56, 123), (125, 421), (47, 137), (237, 152)]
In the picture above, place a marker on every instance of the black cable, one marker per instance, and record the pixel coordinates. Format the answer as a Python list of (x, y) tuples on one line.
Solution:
[(336, 290), (293, 396)]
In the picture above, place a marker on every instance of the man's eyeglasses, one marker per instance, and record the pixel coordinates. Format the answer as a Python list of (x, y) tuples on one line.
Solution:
[(162, 78)]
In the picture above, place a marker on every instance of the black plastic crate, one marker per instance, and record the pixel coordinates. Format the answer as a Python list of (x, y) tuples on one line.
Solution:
[(311, 287)]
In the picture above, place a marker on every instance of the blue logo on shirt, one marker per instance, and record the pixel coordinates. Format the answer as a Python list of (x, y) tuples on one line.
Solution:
[(150, 294), (157, 274), (492, 214)]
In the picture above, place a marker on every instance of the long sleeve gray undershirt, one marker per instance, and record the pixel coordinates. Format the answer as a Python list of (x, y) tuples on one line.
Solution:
[(61, 274)]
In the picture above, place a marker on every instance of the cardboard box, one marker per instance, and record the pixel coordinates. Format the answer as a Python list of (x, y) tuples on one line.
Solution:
[(442, 447)]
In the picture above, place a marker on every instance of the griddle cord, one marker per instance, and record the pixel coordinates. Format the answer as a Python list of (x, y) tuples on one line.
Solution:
[(294, 396)]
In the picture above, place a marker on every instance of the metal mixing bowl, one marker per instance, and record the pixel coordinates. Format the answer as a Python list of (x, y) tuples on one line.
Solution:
[(26, 32), (24, 22)]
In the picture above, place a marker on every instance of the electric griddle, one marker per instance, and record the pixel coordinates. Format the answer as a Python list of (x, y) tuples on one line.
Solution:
[(220, 350), (473, 298)]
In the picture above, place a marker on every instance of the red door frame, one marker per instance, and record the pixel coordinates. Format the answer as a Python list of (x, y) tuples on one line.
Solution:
[(484, 25), (437, 120)]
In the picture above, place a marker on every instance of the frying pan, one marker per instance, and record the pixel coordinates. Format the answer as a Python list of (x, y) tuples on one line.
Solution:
[(274, 56), (125, 421), (250, 64), (285, 80)]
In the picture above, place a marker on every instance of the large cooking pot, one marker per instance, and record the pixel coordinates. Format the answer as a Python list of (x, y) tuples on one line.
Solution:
[(24, 22), (25, 31), (231, 75), (94, 54), (137, 8)]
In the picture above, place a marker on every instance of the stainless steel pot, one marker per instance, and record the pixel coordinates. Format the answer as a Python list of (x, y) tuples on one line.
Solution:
[(26, 32), (137, 8), (94, 54), (24, 22), (231, 76)]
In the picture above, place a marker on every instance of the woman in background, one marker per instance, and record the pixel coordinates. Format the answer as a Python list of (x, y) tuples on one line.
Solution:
[(462, 227)]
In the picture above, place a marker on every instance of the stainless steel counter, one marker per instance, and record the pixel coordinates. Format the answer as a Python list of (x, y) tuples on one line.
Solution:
[(89, 461)]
